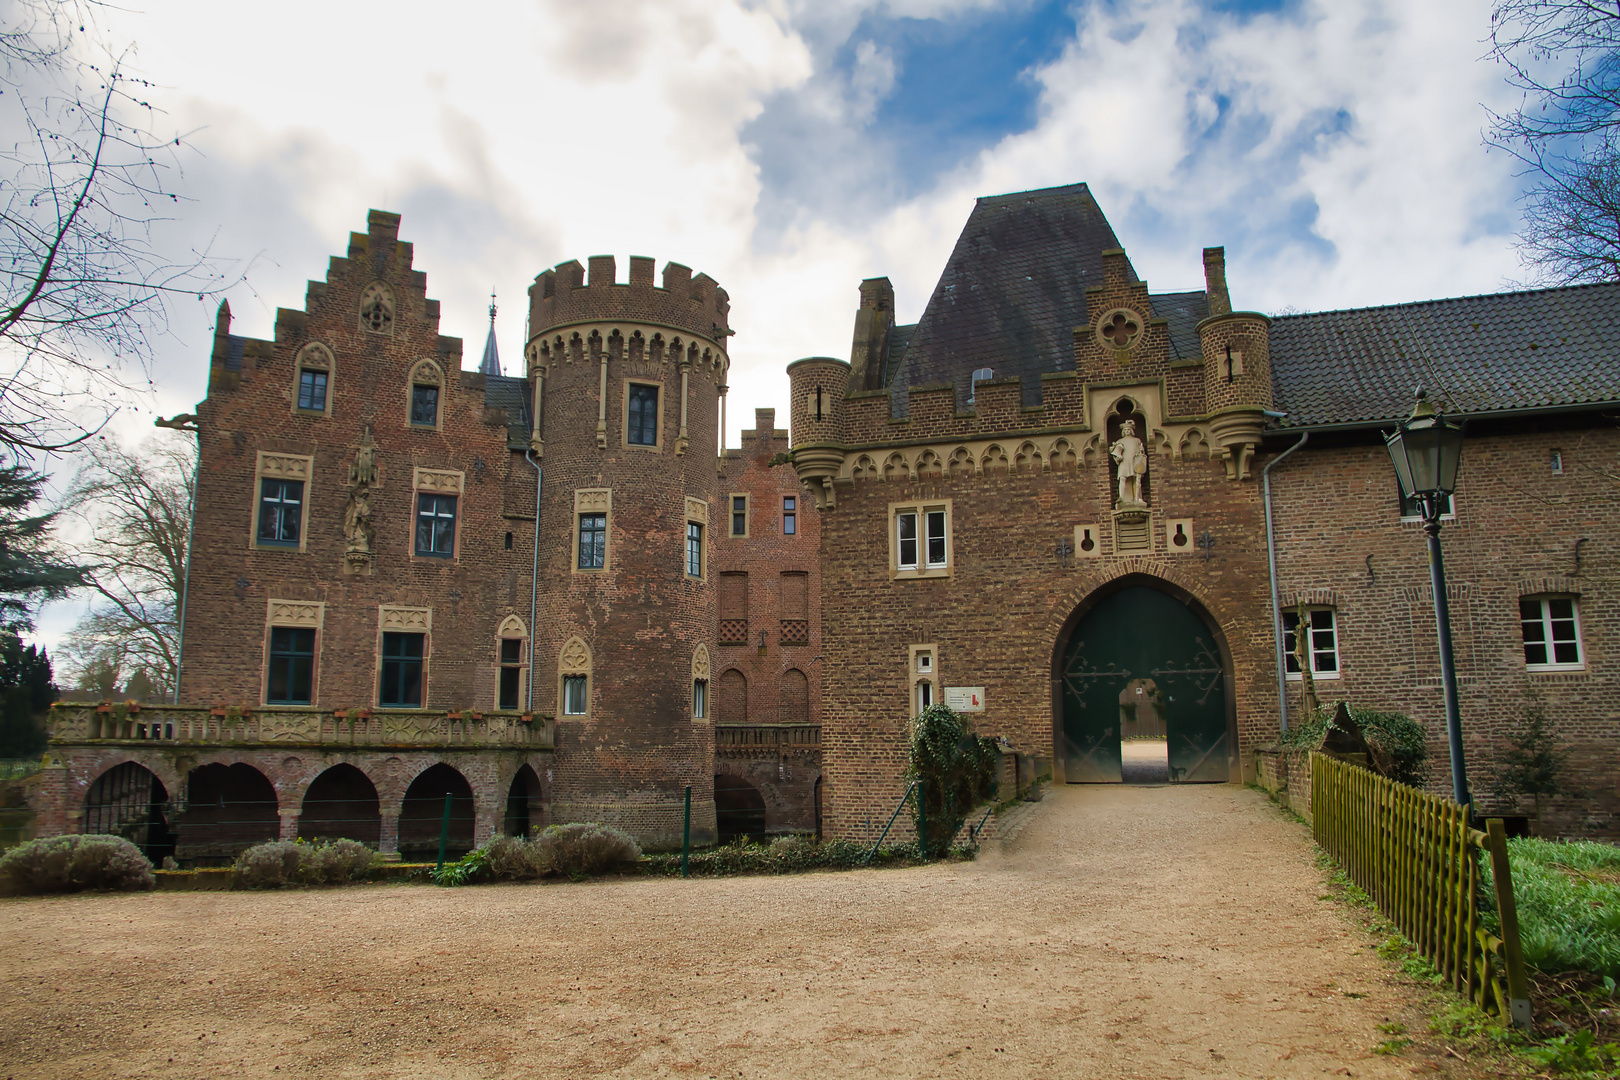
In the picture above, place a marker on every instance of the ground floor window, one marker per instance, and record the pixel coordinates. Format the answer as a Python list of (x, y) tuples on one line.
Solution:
[(1321, 642), (401, 671), (292, 666), (1552, 632)]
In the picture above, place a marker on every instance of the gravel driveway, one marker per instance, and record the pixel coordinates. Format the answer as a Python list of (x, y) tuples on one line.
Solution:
[(1146, 932)]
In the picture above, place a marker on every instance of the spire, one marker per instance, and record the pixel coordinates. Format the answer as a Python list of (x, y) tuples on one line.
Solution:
[(492, 357)]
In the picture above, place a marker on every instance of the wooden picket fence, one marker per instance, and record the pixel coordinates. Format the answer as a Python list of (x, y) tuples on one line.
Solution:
[(1417, 857)]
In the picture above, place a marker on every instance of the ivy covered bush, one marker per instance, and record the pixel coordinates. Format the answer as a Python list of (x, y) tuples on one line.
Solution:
[(573, 851), (297, 862), (957, 770), (1396, 743), (60, 864)]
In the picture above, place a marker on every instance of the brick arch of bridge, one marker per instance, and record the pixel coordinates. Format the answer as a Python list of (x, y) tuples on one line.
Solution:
[(84, 771), (1168, 577), (787, 782)]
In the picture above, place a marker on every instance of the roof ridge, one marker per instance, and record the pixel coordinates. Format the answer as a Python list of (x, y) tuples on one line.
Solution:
[(1448, 300)]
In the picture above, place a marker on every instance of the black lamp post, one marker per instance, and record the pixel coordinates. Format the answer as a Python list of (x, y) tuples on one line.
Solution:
[(1426, 450)]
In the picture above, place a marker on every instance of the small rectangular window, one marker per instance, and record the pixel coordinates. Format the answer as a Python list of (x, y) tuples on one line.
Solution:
[(281, 512), (925, 695), (694, 549), (401, 671), (643, 418), (790, 515), (511, 687), (905, 525), (739, 515), (425, 406), (574, 695), (592, 541), (700, 699), (292, 666), (936, 537), (1552, 632), (312, 390), (1322, 643), (436, 525)]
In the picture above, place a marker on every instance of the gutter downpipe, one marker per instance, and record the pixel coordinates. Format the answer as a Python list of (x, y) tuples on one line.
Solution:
[(185, 579), (1271, 568), (534, 574)]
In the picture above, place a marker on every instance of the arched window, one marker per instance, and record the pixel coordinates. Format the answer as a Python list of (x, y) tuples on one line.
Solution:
[(700, 682), (426, 395), (574, 678), (795, 707), (313, 369), (513, 657)]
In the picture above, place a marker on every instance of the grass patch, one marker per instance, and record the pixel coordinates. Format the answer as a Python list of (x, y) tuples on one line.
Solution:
[(1568, 897)]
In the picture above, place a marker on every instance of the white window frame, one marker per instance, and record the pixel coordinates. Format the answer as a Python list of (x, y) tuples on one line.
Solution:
[(1315, 650), (1548, 641), (922, 517)]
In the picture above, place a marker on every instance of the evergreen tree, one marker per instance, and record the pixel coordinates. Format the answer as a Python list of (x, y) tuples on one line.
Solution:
[(26, 691), (30, 570)]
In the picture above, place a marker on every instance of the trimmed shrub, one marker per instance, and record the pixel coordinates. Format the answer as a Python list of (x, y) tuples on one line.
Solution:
[(60, 864), (512, 858), (787, 855), (335, 863), (585, 848), (267, 866)]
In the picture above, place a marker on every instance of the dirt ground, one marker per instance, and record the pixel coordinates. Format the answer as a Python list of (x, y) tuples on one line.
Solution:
[(1147, 932)]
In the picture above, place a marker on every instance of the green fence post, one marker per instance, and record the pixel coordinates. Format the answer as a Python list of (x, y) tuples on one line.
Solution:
[(922, 816), (444, 830), (686, 831), (1508, 912)]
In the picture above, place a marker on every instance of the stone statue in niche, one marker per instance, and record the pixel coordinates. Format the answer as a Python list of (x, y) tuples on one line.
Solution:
[(1130, 454), (357, 515)]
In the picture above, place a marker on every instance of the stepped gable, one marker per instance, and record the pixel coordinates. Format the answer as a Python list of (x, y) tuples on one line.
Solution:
[(1547, 348), (566, 295), (1012, 292)]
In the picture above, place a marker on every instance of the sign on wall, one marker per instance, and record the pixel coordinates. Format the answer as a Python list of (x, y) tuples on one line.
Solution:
[(964, 698)]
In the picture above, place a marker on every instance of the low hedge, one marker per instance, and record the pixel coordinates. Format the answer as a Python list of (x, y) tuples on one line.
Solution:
[(62, 864)]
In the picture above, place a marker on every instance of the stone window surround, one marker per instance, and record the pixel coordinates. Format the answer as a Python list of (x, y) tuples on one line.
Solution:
[(574, 659), (920, 507), (701, 669), (314, 356), (273, 466), (512, 629), (915, 676), (748, 514), (438, 482), (697, 513), (624, 413), (427, 372), (592, 501), (299, 615), (398, 618), (377, 290)]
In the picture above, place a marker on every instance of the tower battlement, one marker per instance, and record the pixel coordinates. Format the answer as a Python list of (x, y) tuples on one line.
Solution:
[(567, 294)]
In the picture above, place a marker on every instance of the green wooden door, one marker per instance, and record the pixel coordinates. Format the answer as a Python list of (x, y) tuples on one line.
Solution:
[(1136, 633)]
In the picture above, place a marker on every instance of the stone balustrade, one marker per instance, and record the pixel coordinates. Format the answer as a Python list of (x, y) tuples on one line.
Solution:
[(764, 736), (73, 723)]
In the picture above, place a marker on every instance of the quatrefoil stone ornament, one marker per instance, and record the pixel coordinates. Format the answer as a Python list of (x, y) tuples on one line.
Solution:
[(1119, 329)]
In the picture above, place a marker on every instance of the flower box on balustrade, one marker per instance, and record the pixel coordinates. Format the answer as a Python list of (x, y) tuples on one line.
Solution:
[(79, 722)]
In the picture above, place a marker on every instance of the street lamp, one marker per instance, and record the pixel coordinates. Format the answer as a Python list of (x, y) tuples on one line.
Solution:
[(1426, 450)]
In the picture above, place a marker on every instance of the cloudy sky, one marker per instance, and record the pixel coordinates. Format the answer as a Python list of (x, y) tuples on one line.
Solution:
[(790, 148)]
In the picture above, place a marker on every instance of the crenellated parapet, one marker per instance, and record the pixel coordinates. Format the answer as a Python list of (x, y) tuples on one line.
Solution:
[(687, 305)]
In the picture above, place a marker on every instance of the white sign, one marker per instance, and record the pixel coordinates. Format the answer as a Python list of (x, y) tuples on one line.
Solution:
[(964, 698)]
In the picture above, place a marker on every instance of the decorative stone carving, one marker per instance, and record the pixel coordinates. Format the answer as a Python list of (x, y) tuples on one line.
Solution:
[(357, 531), (377, 308), (1119, 330), (700, 663), (1130, 454), (314, 355), (444, 481), (294, 613), (407, 618), (427, 373), (283, 466), (575, 658), (592, 500), (697, 510), (511, 627)]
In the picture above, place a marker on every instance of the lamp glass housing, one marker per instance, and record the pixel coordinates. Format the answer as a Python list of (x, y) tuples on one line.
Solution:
[(1426, 452)]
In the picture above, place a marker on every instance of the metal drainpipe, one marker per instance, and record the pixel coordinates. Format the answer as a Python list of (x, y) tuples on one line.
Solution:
[(185, 578), (534, 574), (1271, 567)]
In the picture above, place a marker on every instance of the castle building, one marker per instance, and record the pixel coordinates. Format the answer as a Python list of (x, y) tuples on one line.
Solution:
[(1062, 503)]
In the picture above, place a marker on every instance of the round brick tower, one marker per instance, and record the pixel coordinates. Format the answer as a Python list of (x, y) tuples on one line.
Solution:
[(817, 422), (628, 380)]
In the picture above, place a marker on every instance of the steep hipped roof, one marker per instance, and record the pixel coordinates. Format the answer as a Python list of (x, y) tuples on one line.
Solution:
[(1547, 348), (1013, 290), (512, 394)]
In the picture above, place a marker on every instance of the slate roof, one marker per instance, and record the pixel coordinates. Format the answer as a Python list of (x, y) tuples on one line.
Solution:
[(512, 394), (1182, 311), (1547, 348), (1012, 292)]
